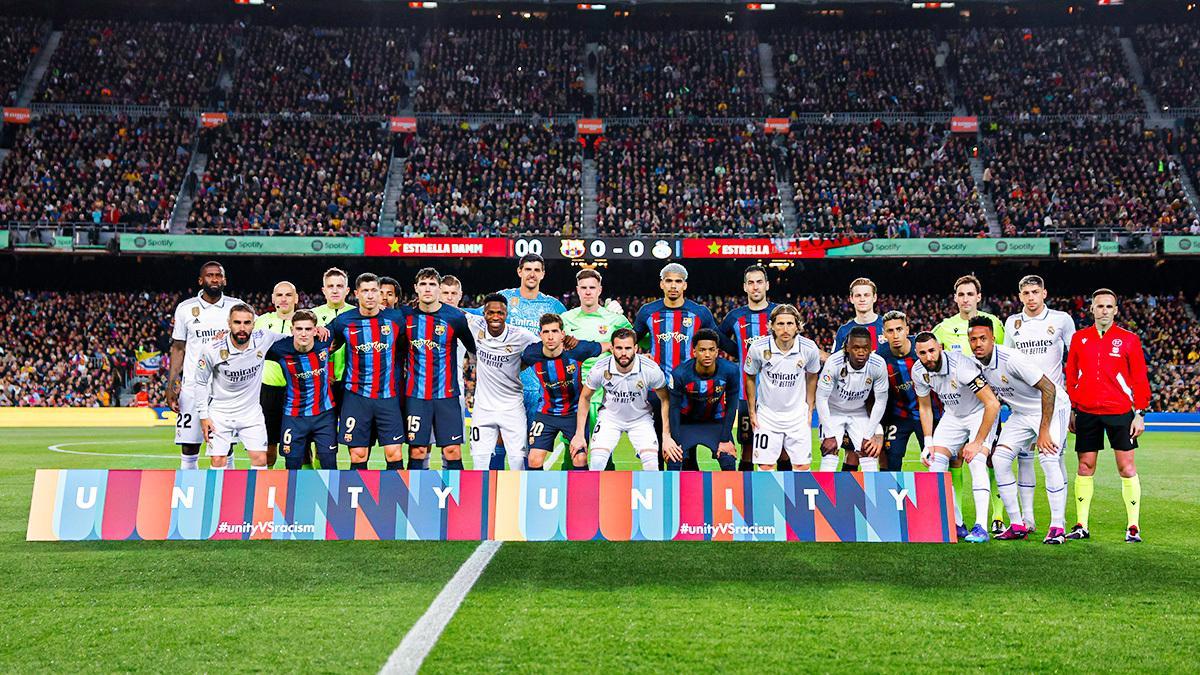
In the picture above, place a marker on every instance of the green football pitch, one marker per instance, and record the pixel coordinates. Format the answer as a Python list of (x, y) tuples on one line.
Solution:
[(344, 606)]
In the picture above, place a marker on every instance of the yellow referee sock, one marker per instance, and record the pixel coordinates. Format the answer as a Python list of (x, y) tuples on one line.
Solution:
[(1131, 490), (1083, 498)]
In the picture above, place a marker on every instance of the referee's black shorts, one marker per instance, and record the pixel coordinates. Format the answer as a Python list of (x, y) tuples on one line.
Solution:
[(1091, 429), (271, 399)]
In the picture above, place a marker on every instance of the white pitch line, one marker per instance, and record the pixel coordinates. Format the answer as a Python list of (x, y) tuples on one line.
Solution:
[(420, 639), (61, 447)]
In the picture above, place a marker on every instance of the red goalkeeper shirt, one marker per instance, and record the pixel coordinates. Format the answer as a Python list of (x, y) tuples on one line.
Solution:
[(1106, 374)]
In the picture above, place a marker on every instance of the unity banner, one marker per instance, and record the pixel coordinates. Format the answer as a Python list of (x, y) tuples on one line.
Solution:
[(77, 505)]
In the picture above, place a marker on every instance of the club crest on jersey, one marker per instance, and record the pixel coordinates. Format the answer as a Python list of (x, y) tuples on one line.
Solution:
[(1017, 324), (926, 378), (195, 311), (348, 437), (512, 302), (439, 329), (1004, 379), (639, 384), (287, 449), (570, 368), (869, 381), (954, 383), (258, 354), (687, 322), (607, 375), (767, 354), (603, 330), (323, 356), (1049, 330), (224, 354), (385, 330), (479, 336)]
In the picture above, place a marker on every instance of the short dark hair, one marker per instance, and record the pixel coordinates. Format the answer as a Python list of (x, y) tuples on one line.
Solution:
[(211, 263), (896, 315), (304, 315), (494, 297), (365, 278), (531, 258), (1030, 280), (858, 332), (925, 336), (428, 273), (706, 334), (623, 333), (549, 318), (1103, 291), (588, 274), (450, 280), (969, 279), (389, 281), (981, 322), (754, 268), (334, 272), (242, 307)]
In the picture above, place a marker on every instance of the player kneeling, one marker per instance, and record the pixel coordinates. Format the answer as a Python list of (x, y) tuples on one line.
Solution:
[(704, 396), (308, 410), (780, 408), (968, 427), (851, 399), (627, 379)]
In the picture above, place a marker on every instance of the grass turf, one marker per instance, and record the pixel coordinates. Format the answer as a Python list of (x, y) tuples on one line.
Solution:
[(1095, 605)]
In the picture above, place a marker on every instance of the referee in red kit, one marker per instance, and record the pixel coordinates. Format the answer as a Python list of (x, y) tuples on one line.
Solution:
[(1106, 380)]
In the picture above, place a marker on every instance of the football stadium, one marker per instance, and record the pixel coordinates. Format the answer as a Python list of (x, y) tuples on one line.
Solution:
[(383, 337)]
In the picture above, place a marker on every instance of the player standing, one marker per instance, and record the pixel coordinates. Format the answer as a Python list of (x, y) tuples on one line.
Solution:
[(845, 407), (742, 325), (1042, 334), (781, 389), (228, 377), (559, 370), (284, 298), (451, 293), (308, 414), (389, 292), (1106, 380), (627, 378), (374, 340), (863, 294), (1040, 414), (968, 427), (900, 422), (499, 395), (704, 395), (196, 321), (434, 411)]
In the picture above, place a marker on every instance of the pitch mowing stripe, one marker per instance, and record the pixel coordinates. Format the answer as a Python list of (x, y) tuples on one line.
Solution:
[(420, 639)]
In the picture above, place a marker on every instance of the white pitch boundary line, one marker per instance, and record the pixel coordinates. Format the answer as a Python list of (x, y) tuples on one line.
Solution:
[(420, 639), (61, 447)]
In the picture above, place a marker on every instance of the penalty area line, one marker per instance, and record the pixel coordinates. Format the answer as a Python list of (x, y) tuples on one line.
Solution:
[(420, 639), (62, 448)]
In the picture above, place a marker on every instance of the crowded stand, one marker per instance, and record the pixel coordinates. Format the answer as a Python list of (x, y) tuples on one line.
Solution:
[(1056, 176), (500, 70), (700, 73), (857, 71), (322, 70), (1170, 57), (105, 171), (20, 40), (492, 180), (883, 180), (156, 64), (1042, 71), (687, 179), (1189, 149), (298, 177)]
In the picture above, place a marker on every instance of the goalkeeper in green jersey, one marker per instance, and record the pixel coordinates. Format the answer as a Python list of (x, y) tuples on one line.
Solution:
[(595, 322), (952, 333)]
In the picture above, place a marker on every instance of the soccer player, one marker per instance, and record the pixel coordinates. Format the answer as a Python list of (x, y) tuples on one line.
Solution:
[(863, 294), (284, 298), (1042, 334), (900, 422), (592, 321), (228, 377), (389, 292), (335, 288), (434, 412), (967, 428), (742, 325), (197, 320), (1040, 414), (1106, 380), (850, 377), (952, 333), (673, 322), (451, 293), (704, 395), (374, 339), (499, 400), (627, 378), (306, 364), (781, 390), (559, 369)]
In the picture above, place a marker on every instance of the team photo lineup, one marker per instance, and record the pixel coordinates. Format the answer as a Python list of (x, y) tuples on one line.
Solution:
[(366, 369)]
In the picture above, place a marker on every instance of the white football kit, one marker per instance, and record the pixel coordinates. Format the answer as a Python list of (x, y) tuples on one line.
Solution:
[(228, 381), (1044, 338), (627, 408), (195, 323), (499, 397), (781, 398), (842, 394)]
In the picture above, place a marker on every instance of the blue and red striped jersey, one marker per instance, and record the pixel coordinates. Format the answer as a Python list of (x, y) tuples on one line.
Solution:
[(561, 376), (743, 325), (374, 345), (706, 399), (875, 328), (671, 330), (902, 398), (433, 351), (308, 377)]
